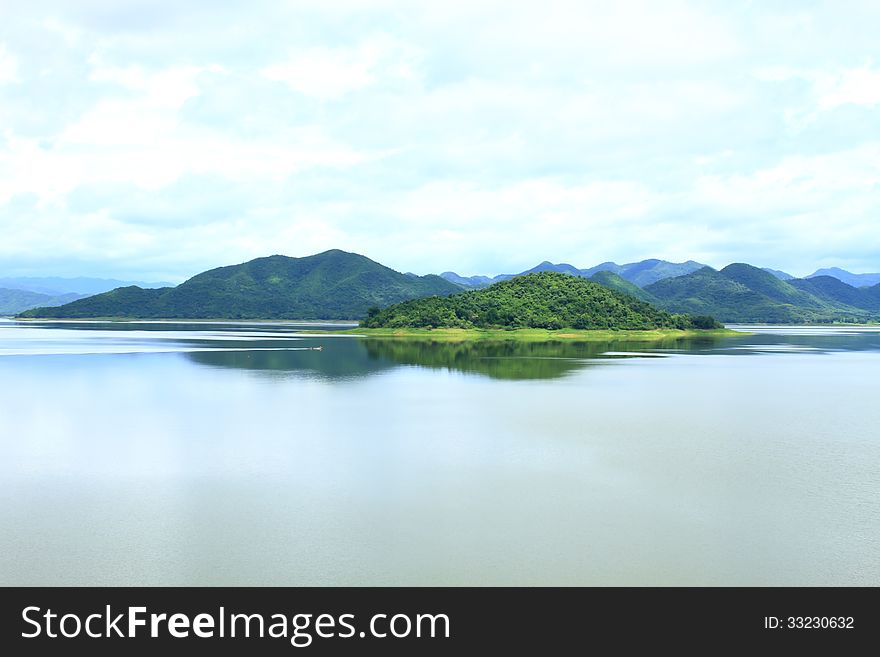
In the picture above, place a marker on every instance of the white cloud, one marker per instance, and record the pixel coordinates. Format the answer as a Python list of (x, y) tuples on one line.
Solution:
[(480, 136), (859, 86), (70, 34), (155, 155), (139, 118), (828, 90), (139, 137), (331, 73), (821, 205), (798, 181), (168, 88), (8, 66), (324, 73)]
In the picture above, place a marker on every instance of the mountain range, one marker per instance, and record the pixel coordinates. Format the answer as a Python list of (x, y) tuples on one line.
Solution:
[(743, 293), (329, 285), (340, 285), (646, 272), (736, 293)]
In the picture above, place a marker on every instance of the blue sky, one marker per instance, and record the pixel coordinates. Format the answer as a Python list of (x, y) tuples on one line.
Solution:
[(152, 140)]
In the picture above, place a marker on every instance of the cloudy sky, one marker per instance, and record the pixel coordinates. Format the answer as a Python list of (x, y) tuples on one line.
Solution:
[(149, 139)]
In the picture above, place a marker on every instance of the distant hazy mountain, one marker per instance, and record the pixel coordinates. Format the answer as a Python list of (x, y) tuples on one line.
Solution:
[(561, 268), (856, 280), (640, 273), (13, 302), (466, 281), (645, 272), (329, 285), (605, 266), (743, 293), (781, 275), (55, 286), (484, 281)]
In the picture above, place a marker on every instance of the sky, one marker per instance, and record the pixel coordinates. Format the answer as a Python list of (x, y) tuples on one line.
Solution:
[(153, 139)]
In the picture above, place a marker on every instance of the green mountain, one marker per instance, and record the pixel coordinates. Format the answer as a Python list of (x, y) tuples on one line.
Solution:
[(13, 302), (549, 300), (330, 285), (743, 293), (615, 282), (834, 291), (770, 286)]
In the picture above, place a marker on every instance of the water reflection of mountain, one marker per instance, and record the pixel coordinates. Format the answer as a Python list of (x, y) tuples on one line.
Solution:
[(342, 358), (346, 358), (498, 360), (339, 358), (515, 360)]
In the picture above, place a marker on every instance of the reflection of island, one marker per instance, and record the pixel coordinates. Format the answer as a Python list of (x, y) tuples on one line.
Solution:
[(349, 357), (346, 358), (512, 359), (498, 360)]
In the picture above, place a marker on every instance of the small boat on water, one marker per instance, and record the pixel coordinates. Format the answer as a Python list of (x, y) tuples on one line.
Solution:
[(318, 348)]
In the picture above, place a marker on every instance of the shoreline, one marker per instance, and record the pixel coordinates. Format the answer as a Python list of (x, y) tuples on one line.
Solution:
[(322, 327), (351, 328), (534, 335)]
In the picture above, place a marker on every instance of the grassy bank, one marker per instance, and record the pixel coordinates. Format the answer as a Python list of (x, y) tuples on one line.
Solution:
[(532, 335)]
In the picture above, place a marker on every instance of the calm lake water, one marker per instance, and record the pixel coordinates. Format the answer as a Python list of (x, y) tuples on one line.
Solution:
[(185, 454)]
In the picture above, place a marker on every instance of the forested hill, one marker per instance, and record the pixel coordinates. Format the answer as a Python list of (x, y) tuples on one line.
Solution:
[(547, 300), (330, 285), (743, 293)]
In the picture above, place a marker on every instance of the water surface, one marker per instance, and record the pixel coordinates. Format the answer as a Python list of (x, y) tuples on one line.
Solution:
[(226, 454)]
